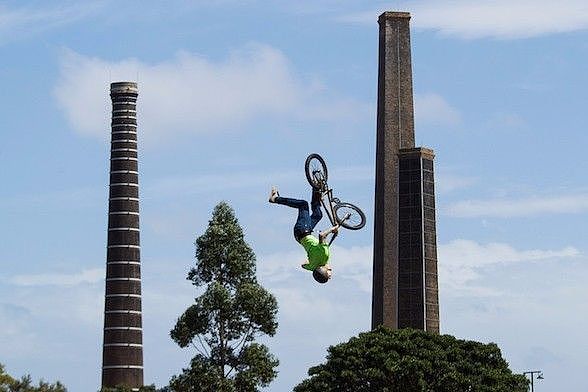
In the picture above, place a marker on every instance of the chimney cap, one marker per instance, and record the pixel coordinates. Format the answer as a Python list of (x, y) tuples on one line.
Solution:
[(423, 152), (393, 15), (123, 87)]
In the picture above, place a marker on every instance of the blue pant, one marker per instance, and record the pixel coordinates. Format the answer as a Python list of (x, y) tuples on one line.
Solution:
[(305, 222)]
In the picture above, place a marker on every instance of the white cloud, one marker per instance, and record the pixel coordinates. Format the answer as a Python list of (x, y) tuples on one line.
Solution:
[(503, 19), (59, 302), (28, 20), (329, 313), (447, 182), (505, 208), (294, 304), (17, 337), (86, 276), (460, 261), (191, 94), (353, 265), (431, 108)]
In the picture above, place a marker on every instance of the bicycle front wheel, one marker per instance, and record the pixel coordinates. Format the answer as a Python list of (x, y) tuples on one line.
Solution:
[(356, 219), (316, 171)]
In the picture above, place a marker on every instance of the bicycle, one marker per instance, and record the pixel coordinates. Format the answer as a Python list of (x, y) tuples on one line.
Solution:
[(345, 214)]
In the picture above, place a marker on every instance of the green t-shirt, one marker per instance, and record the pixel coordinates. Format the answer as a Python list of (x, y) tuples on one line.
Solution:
[(317, 253)]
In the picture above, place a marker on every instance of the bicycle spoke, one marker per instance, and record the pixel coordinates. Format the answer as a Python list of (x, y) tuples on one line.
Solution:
[(349, 216), (316, 171)]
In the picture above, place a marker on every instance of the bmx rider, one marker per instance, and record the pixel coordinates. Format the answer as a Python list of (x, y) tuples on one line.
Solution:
[(317, 249)]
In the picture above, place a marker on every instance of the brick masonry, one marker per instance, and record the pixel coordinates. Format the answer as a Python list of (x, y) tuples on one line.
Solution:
[(405, 292), (122, 356)]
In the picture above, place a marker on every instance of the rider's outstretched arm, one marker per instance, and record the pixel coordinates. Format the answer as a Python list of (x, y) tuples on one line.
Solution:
[(323, 234)]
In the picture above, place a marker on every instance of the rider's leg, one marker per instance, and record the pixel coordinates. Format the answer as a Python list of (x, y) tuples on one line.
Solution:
[(302, 226), (315, 205), (290, 202)]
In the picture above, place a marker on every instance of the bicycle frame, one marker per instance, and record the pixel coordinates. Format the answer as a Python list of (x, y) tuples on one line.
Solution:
[(330, 211), (316, 174), (330, 206)]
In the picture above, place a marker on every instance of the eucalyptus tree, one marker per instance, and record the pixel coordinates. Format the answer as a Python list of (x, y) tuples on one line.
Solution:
[(224, 321)]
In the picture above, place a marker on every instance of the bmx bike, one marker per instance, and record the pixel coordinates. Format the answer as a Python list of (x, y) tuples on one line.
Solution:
[(345, 214)]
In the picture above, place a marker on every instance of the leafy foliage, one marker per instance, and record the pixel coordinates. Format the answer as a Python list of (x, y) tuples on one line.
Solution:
[(412, 361), (224, 321), (24, 384)]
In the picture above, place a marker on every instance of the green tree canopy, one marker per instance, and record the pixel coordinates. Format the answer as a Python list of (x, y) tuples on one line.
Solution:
[(25, 384), (409, 360), (224, 321)]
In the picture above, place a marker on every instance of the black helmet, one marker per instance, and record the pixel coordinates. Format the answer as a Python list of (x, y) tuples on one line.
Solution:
[(320, 274)]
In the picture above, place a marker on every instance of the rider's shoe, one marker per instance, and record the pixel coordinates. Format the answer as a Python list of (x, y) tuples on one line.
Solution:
[(273, 194)]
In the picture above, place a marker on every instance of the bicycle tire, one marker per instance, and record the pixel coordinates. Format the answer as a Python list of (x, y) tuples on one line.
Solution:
[(357, 219), (316, 171)]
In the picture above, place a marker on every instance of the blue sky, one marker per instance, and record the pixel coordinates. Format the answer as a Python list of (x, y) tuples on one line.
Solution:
[(233, 96)]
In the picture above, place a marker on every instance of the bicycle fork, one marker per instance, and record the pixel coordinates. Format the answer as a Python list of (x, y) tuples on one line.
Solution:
[(331, 212)]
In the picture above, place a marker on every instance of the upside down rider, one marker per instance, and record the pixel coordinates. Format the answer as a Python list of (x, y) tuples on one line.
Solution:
[(317, 249)]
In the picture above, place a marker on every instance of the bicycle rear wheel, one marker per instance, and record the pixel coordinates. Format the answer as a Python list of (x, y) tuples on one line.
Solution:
[(316, 171), (356, 218)]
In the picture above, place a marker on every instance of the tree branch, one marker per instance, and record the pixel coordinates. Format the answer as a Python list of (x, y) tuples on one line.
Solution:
[(197, 348), (207, 354), (242, 344)]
